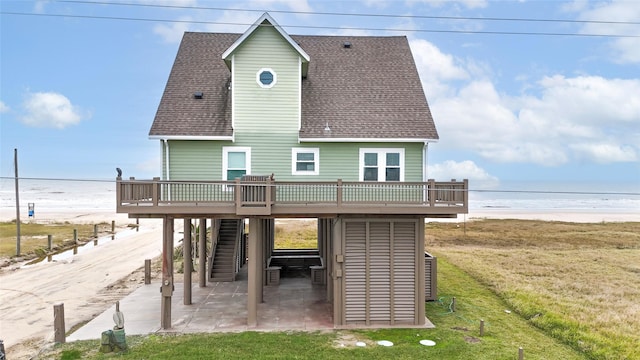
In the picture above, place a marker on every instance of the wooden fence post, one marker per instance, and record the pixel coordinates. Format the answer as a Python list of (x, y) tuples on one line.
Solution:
[(58, 323), (481, 327), (453, 304), (520, 353), (75, 236), (50, 241), (113, 226), (95, 230), (147, 271)]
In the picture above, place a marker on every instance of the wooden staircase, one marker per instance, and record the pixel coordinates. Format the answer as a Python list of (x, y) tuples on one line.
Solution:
[(223, 264)]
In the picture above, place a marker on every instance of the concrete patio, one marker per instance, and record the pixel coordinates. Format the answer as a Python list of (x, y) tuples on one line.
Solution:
[(295, 304)]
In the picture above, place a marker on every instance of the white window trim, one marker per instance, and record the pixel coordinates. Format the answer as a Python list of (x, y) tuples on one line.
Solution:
[(316, 161), (225, 159), (275, 78), (382, 161)]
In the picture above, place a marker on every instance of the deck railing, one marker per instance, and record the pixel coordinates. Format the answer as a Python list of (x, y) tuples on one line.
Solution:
[(263, 197)]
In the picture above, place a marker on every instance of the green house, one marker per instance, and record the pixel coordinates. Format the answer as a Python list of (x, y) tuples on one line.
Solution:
[(265, 125)]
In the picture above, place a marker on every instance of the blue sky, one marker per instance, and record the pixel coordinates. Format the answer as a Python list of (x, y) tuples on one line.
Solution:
[(78, 94)]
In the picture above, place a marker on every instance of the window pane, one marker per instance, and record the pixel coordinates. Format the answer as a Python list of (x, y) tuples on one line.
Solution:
[(305, 156), (234, 174), (236, 160), (393, 159), (370, 174), (266, 77), (304, 166), (370, 159), (393, 174)]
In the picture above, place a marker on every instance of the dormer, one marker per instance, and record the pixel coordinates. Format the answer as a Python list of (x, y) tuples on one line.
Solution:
[(266, 21)]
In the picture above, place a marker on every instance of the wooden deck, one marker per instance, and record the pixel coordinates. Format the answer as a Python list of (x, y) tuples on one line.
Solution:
[(156, 198)]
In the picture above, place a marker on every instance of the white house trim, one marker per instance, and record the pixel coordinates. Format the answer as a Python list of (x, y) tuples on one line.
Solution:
[(255, 26)]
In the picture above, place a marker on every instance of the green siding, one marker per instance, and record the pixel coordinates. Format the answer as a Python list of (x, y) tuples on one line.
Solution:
[(260, 111), (202, 160), (196, 160)]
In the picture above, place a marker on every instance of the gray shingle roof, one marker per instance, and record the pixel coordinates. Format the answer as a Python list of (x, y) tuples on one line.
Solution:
[(369, 91)]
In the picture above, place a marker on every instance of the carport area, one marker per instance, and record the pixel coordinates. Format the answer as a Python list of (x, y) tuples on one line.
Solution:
[(294, 304)]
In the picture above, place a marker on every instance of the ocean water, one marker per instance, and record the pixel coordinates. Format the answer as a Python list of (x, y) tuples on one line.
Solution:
[(58, 195), (68, 195), (557, 196)]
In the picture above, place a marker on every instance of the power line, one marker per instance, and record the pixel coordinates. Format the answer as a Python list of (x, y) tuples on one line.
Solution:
[(57, 179), (554, 192), (325, 27), (434, 17)]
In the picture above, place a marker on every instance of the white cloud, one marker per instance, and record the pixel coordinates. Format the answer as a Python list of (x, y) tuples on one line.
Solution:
[(3, 107), (50, 109), (294, 5), (173, 32), (624, 50), (587, 117), (469, 4), (234, 21), (38, 6), (436, 68), (170, 2), (463, 170), (607, 152)]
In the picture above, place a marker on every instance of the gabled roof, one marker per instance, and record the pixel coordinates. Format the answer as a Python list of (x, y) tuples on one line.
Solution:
[(264, 20), (370, 91)]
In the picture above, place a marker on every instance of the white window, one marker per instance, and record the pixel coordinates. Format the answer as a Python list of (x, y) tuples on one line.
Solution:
[(266, 78), (381, 164), (305, 161), (236, 162)]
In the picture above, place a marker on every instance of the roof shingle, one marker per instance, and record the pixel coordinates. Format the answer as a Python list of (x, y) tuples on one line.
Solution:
[(368, 91)]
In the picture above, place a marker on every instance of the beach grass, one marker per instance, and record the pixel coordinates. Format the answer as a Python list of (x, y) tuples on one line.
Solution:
[(580, 283), (296, 234), (34, 236)]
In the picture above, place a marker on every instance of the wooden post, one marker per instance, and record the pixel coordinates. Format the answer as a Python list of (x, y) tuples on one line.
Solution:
[(187, 261), (95, 230), (453, 304), (147, 271), (137, 224), (481, 327), (167, 272), (75, 236), (58, 323), (254, 282), (15, 164), (49, 241), (520, 353), (202, 253), (113, 226)]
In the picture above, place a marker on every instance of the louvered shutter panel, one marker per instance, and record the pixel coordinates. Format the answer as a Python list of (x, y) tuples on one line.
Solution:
[(379, 272), (355, 274), (404, 277)]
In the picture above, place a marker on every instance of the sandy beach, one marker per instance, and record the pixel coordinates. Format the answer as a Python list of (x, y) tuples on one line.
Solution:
[(90, 282), (578, 216)]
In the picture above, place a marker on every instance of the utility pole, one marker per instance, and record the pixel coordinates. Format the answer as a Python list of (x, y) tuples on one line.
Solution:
[(15, 163)]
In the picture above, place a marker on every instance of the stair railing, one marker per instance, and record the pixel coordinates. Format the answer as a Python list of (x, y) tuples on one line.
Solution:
[(215, 237)]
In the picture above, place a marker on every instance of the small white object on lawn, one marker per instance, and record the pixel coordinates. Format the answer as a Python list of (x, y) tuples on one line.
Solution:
[(385, 343), (428, 342), (361, 344)]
